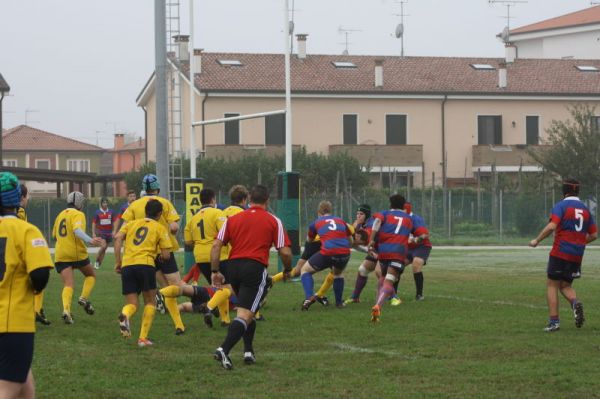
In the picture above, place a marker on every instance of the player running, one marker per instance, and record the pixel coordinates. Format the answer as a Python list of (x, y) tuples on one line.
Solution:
[(71, 253), (166, 269), (26, 265), (336, 241), (144, 240), (574, 227), (419, 248), (102, 226)]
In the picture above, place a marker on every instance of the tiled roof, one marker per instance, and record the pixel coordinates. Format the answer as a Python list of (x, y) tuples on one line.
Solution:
[(4, 87), (27, 138), (583, 17), (409, 75)]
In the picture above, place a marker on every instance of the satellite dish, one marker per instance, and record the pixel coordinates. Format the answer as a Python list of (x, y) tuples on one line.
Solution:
[(291, 27), (399, 31), (505, 35)]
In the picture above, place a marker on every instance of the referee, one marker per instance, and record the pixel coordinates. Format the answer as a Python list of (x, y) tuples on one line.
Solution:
[(251, 234)]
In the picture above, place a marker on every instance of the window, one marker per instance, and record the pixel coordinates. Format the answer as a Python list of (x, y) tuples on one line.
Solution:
[(42, 164), (395, 129), (9, 162), (350, 129), (489, 129), (483, 67), (232, 130), (532, 127), (343, 64), (275, 129), (78, 165), (229, 62), (587, 68)]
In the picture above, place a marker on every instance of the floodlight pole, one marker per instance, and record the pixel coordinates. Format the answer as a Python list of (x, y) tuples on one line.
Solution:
[(160, 60), (192, 95), (288, 96)]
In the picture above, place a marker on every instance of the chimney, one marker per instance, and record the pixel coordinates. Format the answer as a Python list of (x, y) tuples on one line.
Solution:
[(184, 51), (198, 60), (502, 76), (119, 141), (379, 72), (511, 53), (301, 45)]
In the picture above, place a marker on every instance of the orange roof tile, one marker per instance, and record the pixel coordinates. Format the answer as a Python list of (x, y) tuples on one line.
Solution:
[(27, 138), (583, 17)]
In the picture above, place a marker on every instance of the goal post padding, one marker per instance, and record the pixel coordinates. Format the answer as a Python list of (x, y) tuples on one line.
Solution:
[(288, 210), (192, 205)]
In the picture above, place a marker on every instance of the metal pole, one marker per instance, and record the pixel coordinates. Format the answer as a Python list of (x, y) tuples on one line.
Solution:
[(238, 118), (192, 95), (160, 60), (449, 214), (1, 130), (288, 96), (501, 214)]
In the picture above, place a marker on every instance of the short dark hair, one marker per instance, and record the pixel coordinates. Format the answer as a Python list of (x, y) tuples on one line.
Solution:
[(153, 208), (237, 194), (397, 201), (131, 192), (207, 195), (570, 186), (259, 194), (23, 191)]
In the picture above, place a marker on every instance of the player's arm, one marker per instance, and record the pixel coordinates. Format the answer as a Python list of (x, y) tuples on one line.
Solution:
[(164, 243), (312, 232), (282, 243), (350, 230), (172, 218), (37, 259), (94, 226), (217, 278), (119, 237), (188, 240), (546, 231), (592, 233)]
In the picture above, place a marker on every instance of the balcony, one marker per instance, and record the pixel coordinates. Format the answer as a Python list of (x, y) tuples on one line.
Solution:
[(507, 158), (384, 158), (227, 151)]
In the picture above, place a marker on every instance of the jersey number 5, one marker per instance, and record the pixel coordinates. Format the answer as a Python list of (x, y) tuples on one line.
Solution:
[(140, 235), (579, 217)]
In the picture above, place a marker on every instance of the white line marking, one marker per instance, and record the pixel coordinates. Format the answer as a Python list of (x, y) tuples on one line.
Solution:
[(500, 303)]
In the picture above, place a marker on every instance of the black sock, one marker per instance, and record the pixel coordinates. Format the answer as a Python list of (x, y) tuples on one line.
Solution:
[(234, 334), (419, 282), (249, 337), (396, 285)]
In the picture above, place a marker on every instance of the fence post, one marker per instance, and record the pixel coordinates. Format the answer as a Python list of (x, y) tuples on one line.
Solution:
[(431, 200), (449, 214), (479, 195), (501, 225), (423, 189)]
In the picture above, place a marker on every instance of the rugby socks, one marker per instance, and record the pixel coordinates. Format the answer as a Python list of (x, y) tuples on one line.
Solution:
[(38, 302), (396, 286), (171, 305), (554, 320), (386, 291), (172, 291), (329, 280), (419, 284), (249, 337), (147, 319), (277, 278), (220, 297), (129, 310), (308, 283), (361, 281), (67, 297), (235, 332), (338, 289), (224, 312), (88, 286), (190, 274)]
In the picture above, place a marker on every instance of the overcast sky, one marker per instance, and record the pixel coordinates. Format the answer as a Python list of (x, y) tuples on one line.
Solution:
[(78, 66)]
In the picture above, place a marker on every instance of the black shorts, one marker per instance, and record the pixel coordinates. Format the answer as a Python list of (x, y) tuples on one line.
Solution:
[(108, 238), (167, 267), (138, 278), (321, 262), (205, 270), (223, 269), (419, 252), (310, 248), (60, 266), (16, 354), (248, 278), (563, 270), (200, 297), (370, 258), (394, 263)]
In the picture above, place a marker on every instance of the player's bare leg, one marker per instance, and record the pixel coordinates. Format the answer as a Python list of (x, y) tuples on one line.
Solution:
[(66, 276), (552, 288), (26, 390), (567, 290), (101, 254)]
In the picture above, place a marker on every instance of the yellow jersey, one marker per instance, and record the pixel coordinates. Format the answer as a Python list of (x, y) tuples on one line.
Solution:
[(229, 212), (69, 247), (144, 238), (137, 210), (202, 229), (23, 250), (21, 214)]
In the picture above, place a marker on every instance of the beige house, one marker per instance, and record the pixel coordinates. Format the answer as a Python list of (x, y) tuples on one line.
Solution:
[(394, 114)]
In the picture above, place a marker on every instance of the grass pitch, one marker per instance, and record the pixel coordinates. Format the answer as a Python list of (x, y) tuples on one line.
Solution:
[(478, 333)]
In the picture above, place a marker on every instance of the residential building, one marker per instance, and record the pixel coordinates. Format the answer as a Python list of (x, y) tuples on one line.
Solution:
[(449, 116), (126, 157), (28, 147)]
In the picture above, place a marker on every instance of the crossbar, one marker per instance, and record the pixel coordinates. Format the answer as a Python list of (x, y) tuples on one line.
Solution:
[(238, 118)]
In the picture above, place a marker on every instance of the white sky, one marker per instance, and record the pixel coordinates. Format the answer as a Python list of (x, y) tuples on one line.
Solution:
[(81, 64)]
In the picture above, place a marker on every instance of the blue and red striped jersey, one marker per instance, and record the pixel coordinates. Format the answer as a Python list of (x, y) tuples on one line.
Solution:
[(419, 228), (122, 210), (392, 239), (103, 221), (334, 233), (574, 222)]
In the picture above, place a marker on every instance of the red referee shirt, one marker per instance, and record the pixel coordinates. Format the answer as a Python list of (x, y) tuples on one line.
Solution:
[(251, 234)]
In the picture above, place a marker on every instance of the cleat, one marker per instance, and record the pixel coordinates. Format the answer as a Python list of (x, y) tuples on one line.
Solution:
[(375, 314), (160, 303), (351, 300), (96, 265), (551, 327), (208, 319), (249, 358), (142, 342), (206, 314), (395, 301), (67, 318), (220, 356), (179, 331), (340, 305), (124, 326), (578, 313), (41, 318), (225, 324), (87, 305), (308, 303), (419, 297), (322, 300)]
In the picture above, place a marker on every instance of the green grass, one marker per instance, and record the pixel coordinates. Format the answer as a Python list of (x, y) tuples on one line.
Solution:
[(477, 334)]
